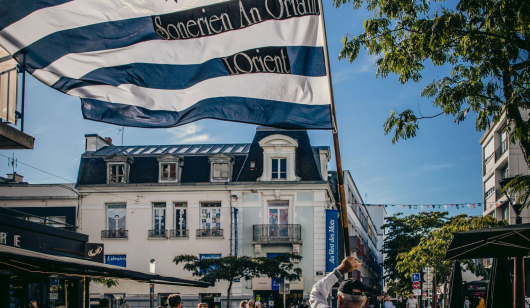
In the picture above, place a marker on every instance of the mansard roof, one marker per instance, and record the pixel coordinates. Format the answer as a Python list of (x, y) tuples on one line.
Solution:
[(196, 160)]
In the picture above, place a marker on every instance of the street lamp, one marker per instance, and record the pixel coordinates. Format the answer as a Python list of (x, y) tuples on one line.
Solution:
[(515, 194), (152, 285)]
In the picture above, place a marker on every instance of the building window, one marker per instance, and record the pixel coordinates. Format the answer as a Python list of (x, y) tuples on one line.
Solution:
[(505, 172), (210, 220), (117, 173), (116, 221), (180, 230), (279, 169), (220, 171), (489, 187), (169, 172), (159, 220), (221, 168), (278, 218), (170, 168)]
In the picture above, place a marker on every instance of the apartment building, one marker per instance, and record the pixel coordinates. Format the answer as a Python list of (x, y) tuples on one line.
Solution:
[(500, 159), (262, 198)]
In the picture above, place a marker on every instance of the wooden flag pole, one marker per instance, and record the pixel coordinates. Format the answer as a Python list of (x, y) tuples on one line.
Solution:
[(340, 176)]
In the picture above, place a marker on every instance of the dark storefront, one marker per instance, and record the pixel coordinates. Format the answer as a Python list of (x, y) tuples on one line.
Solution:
[(53, 266)]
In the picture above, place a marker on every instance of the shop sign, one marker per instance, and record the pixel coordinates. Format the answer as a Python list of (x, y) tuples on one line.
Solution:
[(54, 281), (331, 239), (54, 296), (275, 283), (117, 260), (296, 285), (95, 252), (4, 240), (261, 283)]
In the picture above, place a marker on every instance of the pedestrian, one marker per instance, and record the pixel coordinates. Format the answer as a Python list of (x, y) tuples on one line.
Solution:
[(174, 301), (527, 301), (104, 303), (378, 303), (481, 303), (243, 304), (388, 303), (412, 302), (400, 303), (304, 304), (251, 303), (467, 303), (351, 293), (259, 304), (33, 304)]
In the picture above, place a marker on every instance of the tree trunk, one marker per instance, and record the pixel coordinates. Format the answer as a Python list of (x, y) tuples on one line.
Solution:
[(513, 113), (228, 292)]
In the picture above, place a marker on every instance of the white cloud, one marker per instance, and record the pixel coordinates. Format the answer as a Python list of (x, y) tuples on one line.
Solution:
[(436, 167), (189, 133)]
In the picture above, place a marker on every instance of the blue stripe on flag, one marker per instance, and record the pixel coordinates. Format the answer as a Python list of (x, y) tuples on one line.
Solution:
[(101, 36), (12, 11), (236, 109), (305, 61)]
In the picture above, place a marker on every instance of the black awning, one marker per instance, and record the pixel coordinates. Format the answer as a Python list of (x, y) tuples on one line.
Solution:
[(13, 258)]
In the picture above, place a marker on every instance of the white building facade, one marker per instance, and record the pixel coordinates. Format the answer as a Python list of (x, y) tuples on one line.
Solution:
[(500, 159), (156, 202)]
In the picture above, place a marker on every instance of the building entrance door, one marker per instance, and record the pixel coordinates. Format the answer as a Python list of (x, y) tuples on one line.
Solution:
[(273, 299)]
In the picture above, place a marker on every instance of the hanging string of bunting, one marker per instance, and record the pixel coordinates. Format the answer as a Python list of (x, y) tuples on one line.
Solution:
[(425, 206)]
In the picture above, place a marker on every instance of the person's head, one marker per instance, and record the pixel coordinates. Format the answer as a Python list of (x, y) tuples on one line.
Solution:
[(33, 304), (465, 297), (388, 298), (104, 303), (352, 294), (258, 304), (411, 296), (243, 304), (251, 303), (174, 301), (304, 302), (160, 307)]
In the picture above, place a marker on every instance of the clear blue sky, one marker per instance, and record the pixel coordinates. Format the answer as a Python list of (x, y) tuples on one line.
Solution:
[(441, 165)]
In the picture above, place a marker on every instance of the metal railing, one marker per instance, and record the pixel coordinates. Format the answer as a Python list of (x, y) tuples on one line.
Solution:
[(209, 233), (179, 233), (158, 233), (265, 234), (501, 149), (42, 220), (115, 233)]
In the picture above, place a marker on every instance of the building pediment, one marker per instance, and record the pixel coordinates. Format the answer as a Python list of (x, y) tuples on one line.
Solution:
[(168, 158), (220, 158), (118, 159), (278, 140)]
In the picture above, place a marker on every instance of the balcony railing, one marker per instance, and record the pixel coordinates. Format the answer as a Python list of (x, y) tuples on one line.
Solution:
[(277, 234), (498, 193), (501, 149), (209, 233), (179, 233), (355, 243), (115, 233), (157, 233)]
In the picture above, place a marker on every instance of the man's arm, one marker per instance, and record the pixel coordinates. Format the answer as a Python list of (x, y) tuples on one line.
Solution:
[(319, 293)]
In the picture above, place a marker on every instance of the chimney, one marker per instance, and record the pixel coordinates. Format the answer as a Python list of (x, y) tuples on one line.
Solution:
[(94, 142), (14, 177)]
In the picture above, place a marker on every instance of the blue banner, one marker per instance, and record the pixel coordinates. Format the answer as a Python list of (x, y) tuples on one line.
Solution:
[(332, 228), (117, 260), (235, 232)]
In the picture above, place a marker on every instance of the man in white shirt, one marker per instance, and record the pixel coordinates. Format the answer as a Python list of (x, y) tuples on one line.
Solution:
[(351, 292), (412, 302)]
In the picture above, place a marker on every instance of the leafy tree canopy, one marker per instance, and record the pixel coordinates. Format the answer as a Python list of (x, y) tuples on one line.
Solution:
[(484, 42), (229, 268), (402, 234)]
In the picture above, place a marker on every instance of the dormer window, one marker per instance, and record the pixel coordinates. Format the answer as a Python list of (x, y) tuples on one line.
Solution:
[(117, 173), (118, 167), (169, 172), (170, 168), (279, 158), (279, 168), (221, 168)]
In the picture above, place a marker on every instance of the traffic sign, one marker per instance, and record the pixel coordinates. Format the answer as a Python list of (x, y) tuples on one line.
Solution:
[(427, 269), (416, 292), (427, 286), (416, 285), (415, 277)]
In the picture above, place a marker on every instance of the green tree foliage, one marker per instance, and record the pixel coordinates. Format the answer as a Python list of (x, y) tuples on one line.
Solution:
[(484, 42), (230, 267), (430, 251), (402, 234), (106, 282)]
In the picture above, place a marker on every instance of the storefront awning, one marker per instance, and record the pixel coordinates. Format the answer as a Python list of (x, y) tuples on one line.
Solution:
[(17, 259)]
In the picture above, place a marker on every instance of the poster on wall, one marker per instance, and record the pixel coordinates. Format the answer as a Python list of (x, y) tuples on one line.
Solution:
[(211, 216)]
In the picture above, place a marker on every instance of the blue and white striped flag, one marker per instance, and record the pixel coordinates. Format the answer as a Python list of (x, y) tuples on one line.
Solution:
[(162, 63)]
